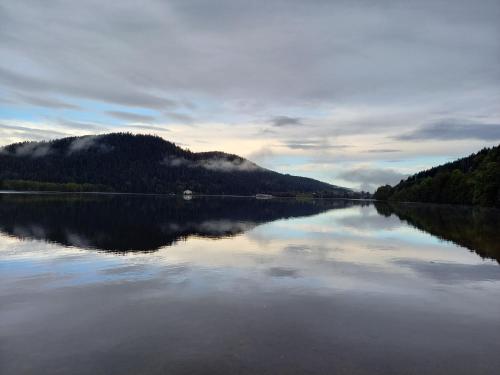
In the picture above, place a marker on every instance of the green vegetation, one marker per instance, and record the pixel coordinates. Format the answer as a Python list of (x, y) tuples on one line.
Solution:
[(472, 180), (123, 162), (23, 185)]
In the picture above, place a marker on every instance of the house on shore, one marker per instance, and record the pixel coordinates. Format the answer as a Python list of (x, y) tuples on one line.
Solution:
[(263, 196)]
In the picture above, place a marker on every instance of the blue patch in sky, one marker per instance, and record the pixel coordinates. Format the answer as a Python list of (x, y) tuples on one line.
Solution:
[(14, 113)]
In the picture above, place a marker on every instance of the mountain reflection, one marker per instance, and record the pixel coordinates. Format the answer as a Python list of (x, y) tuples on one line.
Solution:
[(122, 223), (475, 228)]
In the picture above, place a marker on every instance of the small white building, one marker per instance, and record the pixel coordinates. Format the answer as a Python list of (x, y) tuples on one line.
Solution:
[(188, 192), (263, 196)]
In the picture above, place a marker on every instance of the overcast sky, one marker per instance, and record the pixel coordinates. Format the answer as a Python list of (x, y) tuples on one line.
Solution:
[(356, 93)]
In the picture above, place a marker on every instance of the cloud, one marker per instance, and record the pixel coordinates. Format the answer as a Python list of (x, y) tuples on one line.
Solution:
[(32, 149), (43, 148), (285, 121), (44, 101), (371, 178), (20, 132), (220, 164), (226, 165), (128, 96), (454, 130), (232, 49), (133, 117), (82, 143), (383, 150), (262, 154), (86, 142), (149, 127), (80, 125), (180, 117), (172, 161), (312, 145)]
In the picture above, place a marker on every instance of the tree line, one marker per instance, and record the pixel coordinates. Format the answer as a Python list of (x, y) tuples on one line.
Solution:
[(473, 180), (123, 162)]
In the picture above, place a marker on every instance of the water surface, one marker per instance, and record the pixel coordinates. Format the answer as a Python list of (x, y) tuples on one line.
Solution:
[(93, 284)]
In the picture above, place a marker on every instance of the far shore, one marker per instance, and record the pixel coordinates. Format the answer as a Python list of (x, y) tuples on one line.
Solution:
[(171, 194)]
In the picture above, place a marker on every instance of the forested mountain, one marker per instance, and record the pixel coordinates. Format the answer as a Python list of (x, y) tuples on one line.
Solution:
[(474, 179), (123, 162)]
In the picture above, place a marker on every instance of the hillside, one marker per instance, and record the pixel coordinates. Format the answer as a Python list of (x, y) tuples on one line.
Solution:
[(123, 162), (474, 179)]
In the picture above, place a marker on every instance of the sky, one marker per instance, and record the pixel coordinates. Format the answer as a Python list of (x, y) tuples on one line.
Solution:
[(357, 93)]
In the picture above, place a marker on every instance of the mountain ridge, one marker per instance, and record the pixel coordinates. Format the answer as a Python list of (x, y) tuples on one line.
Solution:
[(140, 163), (471, 180)]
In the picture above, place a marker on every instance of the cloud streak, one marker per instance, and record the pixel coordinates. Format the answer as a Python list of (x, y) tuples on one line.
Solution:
[(45, 148), (28, 133), (43, 101), (313, 144), (86, 142), (132, 117), (30, 149), (370, 178), (286, 121), (219, 164), (454, 130)]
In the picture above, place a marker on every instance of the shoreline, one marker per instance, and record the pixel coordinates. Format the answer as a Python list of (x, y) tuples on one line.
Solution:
[(20, 192)]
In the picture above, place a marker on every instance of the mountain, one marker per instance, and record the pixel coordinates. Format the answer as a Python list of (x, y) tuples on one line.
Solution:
[(122, 162), (474, 179)]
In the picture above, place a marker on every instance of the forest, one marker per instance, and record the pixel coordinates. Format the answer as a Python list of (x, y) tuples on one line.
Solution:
[(473, 180), (123, 162)]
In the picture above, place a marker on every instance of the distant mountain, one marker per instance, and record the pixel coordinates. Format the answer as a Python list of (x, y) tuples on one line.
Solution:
[(474, 179), (123, 162)]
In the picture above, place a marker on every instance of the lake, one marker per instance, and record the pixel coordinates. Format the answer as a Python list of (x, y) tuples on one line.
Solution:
[(123, 284)]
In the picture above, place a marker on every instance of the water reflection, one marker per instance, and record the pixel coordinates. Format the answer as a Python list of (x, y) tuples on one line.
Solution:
[(475, 228), (123, 223), (240, 286)]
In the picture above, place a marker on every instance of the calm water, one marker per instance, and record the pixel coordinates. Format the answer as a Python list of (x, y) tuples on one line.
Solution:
[(155, 285)]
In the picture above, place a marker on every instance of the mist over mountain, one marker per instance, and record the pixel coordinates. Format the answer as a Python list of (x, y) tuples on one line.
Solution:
[(123, 162), (474, 179)]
